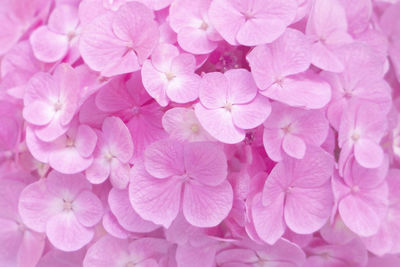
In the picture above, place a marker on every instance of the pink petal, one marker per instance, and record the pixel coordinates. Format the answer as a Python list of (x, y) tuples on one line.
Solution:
[(48, 46), (184, 88), (268, 220), (205, 162), (252, 114), (99, 171), (195, 41), (325, 59), (207, 206), (66, 185), (119, 175), (118, 138), (63, 19), (219, 124), (85, 140), (294, 146), (214, 89), (39, 113), (155, 83), (102, 253), (66, 233), (69, 161), (363, 213), (113, 97), (126, 216), (35, 206), (257, 31), (156, 200), (242, 88), (98, 45), (368, 153), (272, 141), (164, 159), (307, 210), (51, 131), (31, 249), (87, 208)]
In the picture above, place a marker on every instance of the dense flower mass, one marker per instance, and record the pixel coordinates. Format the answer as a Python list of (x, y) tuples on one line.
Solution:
[(199, 133)]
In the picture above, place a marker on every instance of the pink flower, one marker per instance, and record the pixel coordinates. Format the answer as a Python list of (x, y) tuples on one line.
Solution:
[(21, 246), (110, 251), (183, 125), (328, 255), (327, 26), (246, 253), (290, 130), (189, 19), (170, 76), (120, 206), (69, 153), (361, 81), (51, 43), (362, 197), (50, 102), (117, 43), (385, 240), (173, 175), (252, 22), (229, 104), (63, 207), (131, 102), (113, 152), (279, 72), (362, 128), (297, 193)]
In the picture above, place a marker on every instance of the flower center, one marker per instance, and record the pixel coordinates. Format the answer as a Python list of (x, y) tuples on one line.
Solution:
[(108, 156), (195, 128), (204, 26), (67, 205), (130, 264), (355, 136), (58, 106), (170, 76), (228, 106)]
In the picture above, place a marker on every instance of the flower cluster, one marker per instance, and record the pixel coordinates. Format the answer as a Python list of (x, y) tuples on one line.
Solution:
[(199, 133)]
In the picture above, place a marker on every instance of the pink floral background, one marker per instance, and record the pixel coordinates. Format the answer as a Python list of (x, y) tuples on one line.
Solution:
[(199, 133)]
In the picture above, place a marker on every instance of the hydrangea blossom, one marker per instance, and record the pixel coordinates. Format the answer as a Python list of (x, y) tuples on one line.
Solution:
[(202, 133)]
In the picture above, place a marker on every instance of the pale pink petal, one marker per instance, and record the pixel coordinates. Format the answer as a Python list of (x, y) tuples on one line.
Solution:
[(257, 31), (63, 19), (326, 59), (272, 141), (51, 131), (35, 206), (195, 41), (188, 255), (85, 140), (307, 210), (31, 249), (66, 233), (368, 153), (268, 220), (183, 88), (214, 89), (66, 186), (363, 213), (104, 252), (39, 113), (99, 171), (119, 175), (219, 124), (252, 114), (242, 88), (156, 200), (206, 206), (294, 146), (48, 46), (155, 83), (98, 44), (118, 138), (164, 158), (87, 208), (205, 162), (69, 161), (126, 216)]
